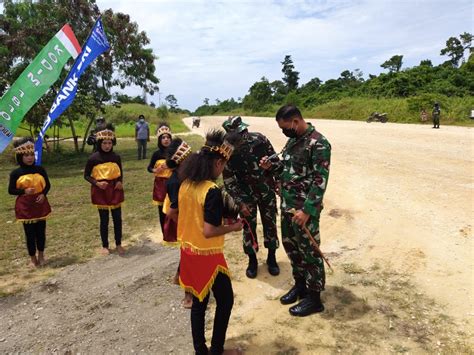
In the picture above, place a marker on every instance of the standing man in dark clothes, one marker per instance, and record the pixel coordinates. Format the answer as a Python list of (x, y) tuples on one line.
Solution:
[(436, 115), (252, 187)]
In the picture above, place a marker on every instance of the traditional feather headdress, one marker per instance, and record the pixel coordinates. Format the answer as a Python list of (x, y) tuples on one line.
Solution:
[(225, 149), (163, 130), (26, 148), (181, 153), (105, 134)]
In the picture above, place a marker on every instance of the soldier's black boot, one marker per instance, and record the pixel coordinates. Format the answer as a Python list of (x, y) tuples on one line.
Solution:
[(297, 291), (309, 305), (273, 267), (252, 268)]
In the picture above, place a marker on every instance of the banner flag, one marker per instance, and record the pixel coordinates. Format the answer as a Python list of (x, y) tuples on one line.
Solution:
[(35, 81), (95, 45)]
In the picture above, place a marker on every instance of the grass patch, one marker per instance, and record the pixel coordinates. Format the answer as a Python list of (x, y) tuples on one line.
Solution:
[(124, 119), (73, 229)]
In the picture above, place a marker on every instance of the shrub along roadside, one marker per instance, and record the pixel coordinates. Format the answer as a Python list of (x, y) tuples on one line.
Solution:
[(454, 110)]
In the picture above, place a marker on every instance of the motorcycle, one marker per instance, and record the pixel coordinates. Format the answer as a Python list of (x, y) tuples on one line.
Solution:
[(377, 117), (196, 122)]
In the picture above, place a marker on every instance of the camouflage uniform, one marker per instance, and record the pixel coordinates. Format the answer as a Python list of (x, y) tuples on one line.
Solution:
[(436, 115), (247, 183), (304, 175)]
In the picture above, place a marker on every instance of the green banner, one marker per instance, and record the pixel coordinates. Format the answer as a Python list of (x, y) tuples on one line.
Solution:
[(35, 81)]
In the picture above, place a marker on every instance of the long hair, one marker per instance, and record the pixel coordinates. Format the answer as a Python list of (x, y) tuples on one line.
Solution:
[(200, 166)]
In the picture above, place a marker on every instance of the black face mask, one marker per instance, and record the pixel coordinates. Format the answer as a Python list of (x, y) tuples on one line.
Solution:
[(289, 132)]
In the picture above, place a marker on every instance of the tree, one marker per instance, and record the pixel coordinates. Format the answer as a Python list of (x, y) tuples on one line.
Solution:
[(278, 91), (259, 96), (455, 47), (311, 85), (290, 76), (206, 101), (25, 27), (394, 64), (426, 63), (172, 102)]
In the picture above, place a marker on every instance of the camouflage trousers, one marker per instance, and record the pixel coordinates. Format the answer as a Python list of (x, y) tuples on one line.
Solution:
[(306, 263), (266, 203)]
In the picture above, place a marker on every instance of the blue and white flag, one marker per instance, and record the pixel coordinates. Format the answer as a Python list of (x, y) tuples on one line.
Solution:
[(95, 45)]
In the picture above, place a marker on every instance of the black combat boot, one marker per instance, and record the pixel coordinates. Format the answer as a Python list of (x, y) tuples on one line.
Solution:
[(311, 304), (297, 291), (252, 268), (273, 267)]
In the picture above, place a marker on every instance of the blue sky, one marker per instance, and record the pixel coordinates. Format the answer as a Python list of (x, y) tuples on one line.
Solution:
[(218, 49)]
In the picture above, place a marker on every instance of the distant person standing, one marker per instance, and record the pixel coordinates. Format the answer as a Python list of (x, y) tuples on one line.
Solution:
[(424, 115), (436, 114), (100, 124), (142, 136)]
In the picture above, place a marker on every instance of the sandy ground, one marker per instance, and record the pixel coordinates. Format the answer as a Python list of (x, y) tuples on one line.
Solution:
[(397, 228)]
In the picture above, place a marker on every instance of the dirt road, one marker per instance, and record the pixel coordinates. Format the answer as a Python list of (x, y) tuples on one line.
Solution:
[(397, 227)]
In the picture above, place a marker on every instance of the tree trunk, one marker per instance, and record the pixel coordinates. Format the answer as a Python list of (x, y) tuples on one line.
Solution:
[(86, 133), (73, 131)]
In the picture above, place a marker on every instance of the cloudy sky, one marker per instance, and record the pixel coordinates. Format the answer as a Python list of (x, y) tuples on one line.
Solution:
[(218, 49)]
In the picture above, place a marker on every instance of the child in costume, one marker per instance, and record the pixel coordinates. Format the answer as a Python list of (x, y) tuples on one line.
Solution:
[(30, 184), (201, 234), (177, 153), (158, 167), (104, 172)]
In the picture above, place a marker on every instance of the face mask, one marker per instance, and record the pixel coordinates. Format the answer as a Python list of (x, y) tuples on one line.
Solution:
[(290, 132), (142, 120)]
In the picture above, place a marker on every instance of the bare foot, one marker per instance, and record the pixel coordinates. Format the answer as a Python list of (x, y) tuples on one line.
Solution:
[(33, 262), (41, 259), (120, 250), (187, 300), (105, 251), (176, 278)]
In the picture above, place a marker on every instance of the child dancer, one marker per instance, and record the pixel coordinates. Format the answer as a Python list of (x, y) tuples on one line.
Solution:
[(158, 167), (177, 153), (201, 233), (30, 184), (104, 172)]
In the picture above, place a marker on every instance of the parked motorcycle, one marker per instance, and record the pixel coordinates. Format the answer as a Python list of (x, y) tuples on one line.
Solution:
[(377, 117), (196, 122)]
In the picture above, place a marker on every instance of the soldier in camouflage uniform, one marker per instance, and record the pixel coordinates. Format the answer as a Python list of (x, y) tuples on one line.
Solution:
[(304, 175), (252, 187)]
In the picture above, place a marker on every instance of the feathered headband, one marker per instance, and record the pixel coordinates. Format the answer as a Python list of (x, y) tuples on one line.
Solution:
[(181, 153), (25, 148), (225, 149), (105, 134), (163, 130)]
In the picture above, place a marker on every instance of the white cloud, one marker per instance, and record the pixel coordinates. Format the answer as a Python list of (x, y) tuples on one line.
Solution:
[(218, 49)]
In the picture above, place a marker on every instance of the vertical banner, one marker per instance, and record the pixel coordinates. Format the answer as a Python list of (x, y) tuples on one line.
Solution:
[(34, 81), (95, 45)]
